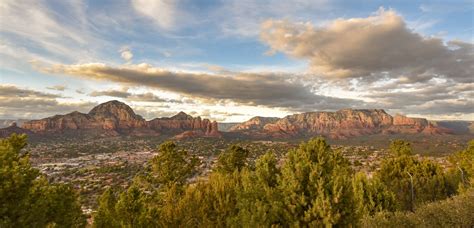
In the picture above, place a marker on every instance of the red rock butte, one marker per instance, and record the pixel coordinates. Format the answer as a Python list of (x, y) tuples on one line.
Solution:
[(117, 118), (340, 124)]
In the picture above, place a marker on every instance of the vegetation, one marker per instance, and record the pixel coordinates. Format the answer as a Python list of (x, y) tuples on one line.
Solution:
[(313, 186), (309, 186), (457, 211), (27, 199), (413, 181)]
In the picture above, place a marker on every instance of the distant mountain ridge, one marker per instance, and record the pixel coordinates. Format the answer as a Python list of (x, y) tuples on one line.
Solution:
[(117, 118), (340, 124)]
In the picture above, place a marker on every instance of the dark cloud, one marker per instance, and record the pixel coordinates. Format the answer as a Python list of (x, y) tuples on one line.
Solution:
[(427, 98), (13, 91), (271, 90), (140, 97), (110, 93), (30, 104)]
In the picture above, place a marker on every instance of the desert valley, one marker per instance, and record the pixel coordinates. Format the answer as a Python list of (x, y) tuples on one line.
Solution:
[(254, 113)]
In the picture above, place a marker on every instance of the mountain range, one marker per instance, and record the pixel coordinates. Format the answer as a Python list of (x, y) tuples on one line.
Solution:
[(115, 118), (340, 124)]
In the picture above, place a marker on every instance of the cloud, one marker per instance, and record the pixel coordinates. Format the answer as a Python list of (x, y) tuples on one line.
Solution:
[(110, 93), (271, 90), (370, 47), (57, 87), (18, 102), (33, 30), (139, 97), (433, 97), (126, 54), (8, 91), (164, 13)]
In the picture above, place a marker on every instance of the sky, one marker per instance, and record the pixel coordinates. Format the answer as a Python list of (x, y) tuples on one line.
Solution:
[(230, 60)]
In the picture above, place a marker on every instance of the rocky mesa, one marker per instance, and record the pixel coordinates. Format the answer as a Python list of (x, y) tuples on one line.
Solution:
[(117, 118), (340, 124)]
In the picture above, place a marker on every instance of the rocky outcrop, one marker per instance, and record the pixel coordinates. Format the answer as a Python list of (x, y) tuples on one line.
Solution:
[(13, 128), (188, 125), (118, 118), (255, 123), (211, 131), (343, 124), (456, 126), (112, 115)]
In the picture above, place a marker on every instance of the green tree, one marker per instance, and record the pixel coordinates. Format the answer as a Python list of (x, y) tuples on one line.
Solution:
[(457, 211), (172, 165), (399, 147), (131, 207), (210, 203), (106, 215), (463, 170), (234, 158), (151, 199), (371, 196), (316, 186), (27, 198), (413, 181), (259, 199)]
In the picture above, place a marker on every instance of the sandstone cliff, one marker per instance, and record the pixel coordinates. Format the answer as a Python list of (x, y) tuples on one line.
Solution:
[(116, 118), (342, 124), (13, 128), (255, 123)]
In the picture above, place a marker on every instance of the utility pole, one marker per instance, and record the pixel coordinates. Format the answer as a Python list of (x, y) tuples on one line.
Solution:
[(462, 175), (412, 190)]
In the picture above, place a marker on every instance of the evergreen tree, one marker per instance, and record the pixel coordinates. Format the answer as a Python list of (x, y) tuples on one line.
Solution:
[(27, 198), (399, 147), (316, 186), (151, 199), (463, 171), (413, 181), (172, 165), (259, 199), (106, 215), (371, 196), (234, 158)]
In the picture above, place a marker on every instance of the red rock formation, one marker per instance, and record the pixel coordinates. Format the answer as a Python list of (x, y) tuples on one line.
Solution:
[(183, 122), (341, 124), (118, 118), (255, 123), (13, 128)]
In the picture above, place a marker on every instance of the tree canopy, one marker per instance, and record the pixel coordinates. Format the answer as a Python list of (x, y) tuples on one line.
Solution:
[(27, 199)]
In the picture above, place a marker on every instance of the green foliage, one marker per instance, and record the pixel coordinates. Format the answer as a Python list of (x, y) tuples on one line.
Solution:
[(259, 200), (399, 148), (27, 198), (371, 196), (464, 166), (316, 186), (171, 165), (429, 181), (106, 215), (234, 158), (218, 196), (457, 211)]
